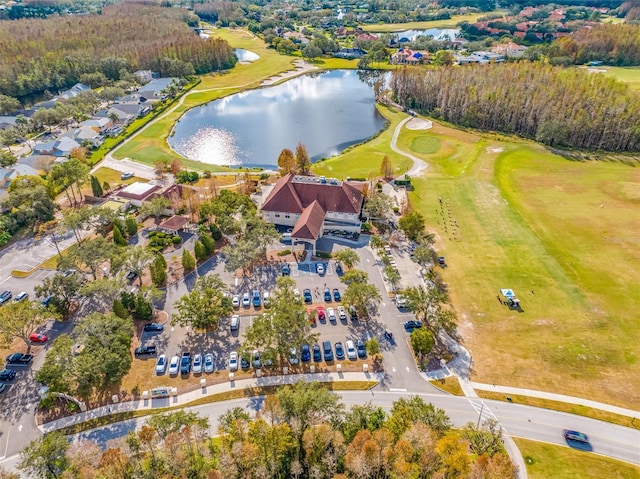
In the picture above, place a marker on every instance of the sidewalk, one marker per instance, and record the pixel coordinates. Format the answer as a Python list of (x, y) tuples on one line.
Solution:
[(181, 400)]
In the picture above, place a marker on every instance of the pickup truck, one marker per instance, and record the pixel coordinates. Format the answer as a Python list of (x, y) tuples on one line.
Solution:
[(145, 350), (19, 358), (185, 363)]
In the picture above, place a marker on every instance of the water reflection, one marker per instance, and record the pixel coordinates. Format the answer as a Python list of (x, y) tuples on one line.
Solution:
[(326, 111), (246, 55), (437, 34)]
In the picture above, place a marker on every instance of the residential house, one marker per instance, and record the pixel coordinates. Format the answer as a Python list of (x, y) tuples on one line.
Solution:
[(367, 36), (124, 114), (137, 192), (59, 148), (509, 49), (314, 205), (74, 91), (406, 56), (100, 124), (155, 90), (480, 58), (86, 135), (296, 37), (10, 173), (145, 76), (350, 53)]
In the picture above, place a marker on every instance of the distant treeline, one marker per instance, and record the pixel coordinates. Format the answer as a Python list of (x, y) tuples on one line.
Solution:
[(558, 107), (38, 55), (610, 43)]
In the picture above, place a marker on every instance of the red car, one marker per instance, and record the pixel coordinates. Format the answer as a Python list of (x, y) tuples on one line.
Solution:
[(38, 338), (321, 315)]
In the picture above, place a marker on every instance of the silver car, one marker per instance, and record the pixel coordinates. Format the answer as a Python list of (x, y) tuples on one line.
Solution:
[(208, 363), (233, 361), (174, 365), (197, 364), (161, 364)]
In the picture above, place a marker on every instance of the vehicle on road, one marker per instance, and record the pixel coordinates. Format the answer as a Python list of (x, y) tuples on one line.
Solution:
[(342, 313), (351, 350), (246, 300), (321, 315), (339, 350), (235, 302), (256, 299), (327, 350), (5, 296), (575, 436), (153, 327), (174, 365), (255, 359), (147, 350), (22, 296), (208, 363), (7, 374), (388, 334), (327, 295), (305, 353), (317, 353), (320, 268), (235, 322), (161, 364), (331, 314), (19, 358), (233, 361), (293, 357), (336, 294), (308, 297), (411, 325), (362, 349), (38, 338), (127, 175), (197, 364), (185, 363)]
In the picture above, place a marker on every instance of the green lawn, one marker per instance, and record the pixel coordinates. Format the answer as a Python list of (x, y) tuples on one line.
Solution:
[(548, 461), (447, 23), (630, 75)]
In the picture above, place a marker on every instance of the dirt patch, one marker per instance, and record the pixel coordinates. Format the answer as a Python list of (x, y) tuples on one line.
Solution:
[(495, 150), (419, 124)]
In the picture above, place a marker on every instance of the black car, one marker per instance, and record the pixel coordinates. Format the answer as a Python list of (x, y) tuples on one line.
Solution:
[(2, 387), (146, 350), (131, 275), (286, 271), (5, 296), (305, 353), (339, 270), (362, 350), (317, 353), (244, 362), (353, 313), (328, 352), (153, 327), (7, 374), (411, 325), (336, 294), (327, 295), (339, 350), (308, 298), (185, 363), (47, 301)]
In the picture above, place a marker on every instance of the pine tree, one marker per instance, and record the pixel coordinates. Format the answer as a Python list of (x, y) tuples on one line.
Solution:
[(119, 309), (118, 238), (131, 225), (200, 251), (302, 159), (143, 311), (188, 261), (96, 188), (209, 243), (158, 270)]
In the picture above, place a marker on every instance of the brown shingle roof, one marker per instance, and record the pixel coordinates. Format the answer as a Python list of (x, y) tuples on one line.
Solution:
[(292, 194), (310, 221), (174, 223)]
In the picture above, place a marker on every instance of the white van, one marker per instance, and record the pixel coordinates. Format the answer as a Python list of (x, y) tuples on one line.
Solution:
[(286, 238)]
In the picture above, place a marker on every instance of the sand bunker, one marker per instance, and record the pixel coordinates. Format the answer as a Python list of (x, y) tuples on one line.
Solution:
[(418, 124)]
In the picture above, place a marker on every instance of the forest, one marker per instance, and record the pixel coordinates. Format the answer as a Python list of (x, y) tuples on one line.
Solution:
[(37, 55), (610, 43), (301, 432), (558, 107)]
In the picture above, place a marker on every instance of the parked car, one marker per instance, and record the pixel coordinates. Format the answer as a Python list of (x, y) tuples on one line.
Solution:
[(317, 353), (293, 357), (38, 338), (208, 363), (46, 301), (286, 271), (296, 295), (342, 313), (442, 262), (21, 297), (320, 268), (185, 363), (7, 374), (351, 350), (362, 349), (5, 296), (327, 295), (339, 350), (332, 315), (174, 365), (235, 322), (161, 364), (19, 358), (327, 350), (305, 353), (131, 275), (411, 325), (321, 315), (147, 350), (197, 364), (336, 294), (244, 362), (236, 301), (233, 361), (255, 359), (153, 327), (353, 313), (266, 300), (339, 270), (246, 300), (3, 387), (127, 175), (256, 299), (308, 297)]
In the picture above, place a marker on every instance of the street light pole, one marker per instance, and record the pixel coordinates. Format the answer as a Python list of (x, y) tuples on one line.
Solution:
[(480, 416)]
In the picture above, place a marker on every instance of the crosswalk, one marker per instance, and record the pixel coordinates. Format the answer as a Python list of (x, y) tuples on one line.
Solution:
[(483, 410)]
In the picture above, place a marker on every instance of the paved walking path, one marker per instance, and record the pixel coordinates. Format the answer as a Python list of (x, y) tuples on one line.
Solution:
[(418, 165)]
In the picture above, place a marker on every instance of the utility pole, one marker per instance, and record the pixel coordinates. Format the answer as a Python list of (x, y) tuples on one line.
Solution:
[(480, 416)]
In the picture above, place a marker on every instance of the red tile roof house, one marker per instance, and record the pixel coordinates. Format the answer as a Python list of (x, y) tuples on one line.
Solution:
[(313, 205)]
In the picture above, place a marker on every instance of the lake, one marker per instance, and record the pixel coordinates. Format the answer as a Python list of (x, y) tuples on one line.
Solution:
[(436, 33), (327, 111), (246, 55)]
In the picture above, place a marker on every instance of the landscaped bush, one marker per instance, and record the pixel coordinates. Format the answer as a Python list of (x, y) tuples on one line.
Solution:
[(284, 252), (366, 227), (159, 240), (176, 239), (215, 232), (185, 176)]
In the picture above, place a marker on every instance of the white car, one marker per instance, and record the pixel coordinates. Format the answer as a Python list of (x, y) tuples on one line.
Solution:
[(331, 314), (320, 268), (233, 361), (208, 363), (293, 357), (296, 294), (342, 313), (236, 301), (21, 297), (161, 364), (235, 322), (174, 365), (351, 350), (246, 300), (197, 364)]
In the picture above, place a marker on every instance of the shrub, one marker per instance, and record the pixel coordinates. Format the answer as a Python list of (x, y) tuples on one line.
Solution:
[(209, 243), (118, 238), (143, 310), (366, 227), (158, 270), (200, 251), (132, 225), (119, 309), (153, 234), (188, 261), (215, 232), (185, 176), (284, 252), (206, 174), (176, 240)]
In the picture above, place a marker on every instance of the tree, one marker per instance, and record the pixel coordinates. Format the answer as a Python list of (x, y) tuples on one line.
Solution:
[(412, 224), (62, 289), (360, 294), (188, 261), (118, 238), (422, 341), (251, 246), (203, 307), (348, 257), (158, 270), (199, 251), (64, 176), (8, 105), (443, 57), (209, 243), (484, 440), (379, 206), (311, 52), (427, 304), (362, 417), (386, 168), (96, 187), (137, 259), (90, 254), (286, 162), (373, 346), (5, 234), (28, 203), (57, 371), (19, 320), (407, 411), (7, 158), (155, 207), (131, 225), (302, 159), (393, 276), (45, 457)]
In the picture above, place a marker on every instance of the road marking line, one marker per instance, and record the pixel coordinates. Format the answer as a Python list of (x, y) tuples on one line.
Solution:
[(397, 390)]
